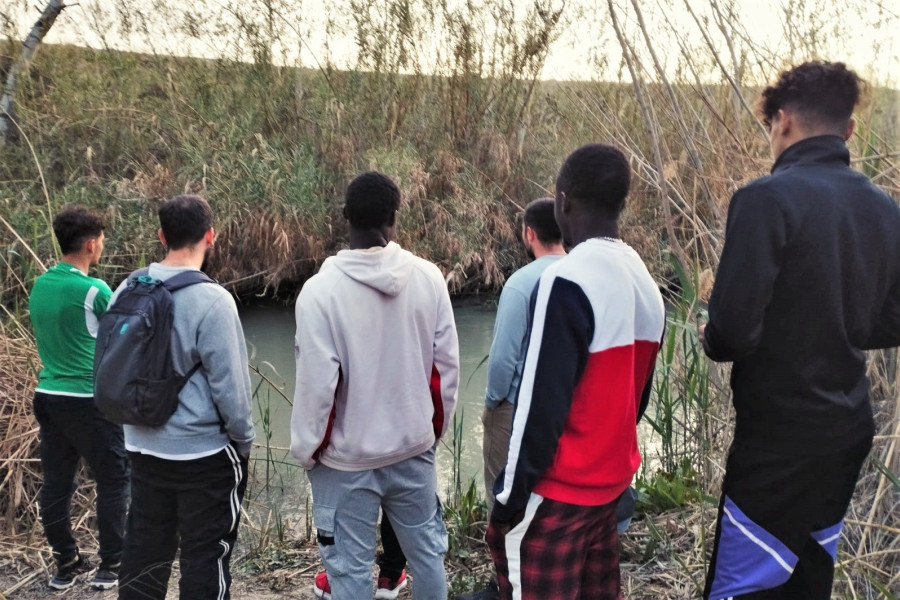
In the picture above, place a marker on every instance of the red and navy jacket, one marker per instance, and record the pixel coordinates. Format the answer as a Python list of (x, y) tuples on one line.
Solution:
[(597, 324)]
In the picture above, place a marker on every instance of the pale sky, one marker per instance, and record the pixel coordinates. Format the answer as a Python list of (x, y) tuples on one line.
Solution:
[(317, 31)]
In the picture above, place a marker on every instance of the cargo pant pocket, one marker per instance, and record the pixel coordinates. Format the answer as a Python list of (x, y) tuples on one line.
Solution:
[(438, 534), (323, 519)]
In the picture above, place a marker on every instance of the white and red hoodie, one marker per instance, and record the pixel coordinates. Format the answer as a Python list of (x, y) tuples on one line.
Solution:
[(377, 360), (596, 330)]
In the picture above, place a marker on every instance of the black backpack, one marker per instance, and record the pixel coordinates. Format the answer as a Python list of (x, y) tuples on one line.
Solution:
[(135, 382)]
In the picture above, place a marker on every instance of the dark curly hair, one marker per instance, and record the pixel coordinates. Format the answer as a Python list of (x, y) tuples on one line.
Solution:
[(598, 177), (74, 225), (184, 221), (371, 200), (823, 92)]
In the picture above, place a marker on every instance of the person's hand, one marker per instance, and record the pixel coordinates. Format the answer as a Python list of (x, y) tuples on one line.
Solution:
[(503, 526), (243, 450), (701, 331)]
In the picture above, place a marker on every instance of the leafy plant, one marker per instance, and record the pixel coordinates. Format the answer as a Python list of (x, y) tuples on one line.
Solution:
[(667, 490)]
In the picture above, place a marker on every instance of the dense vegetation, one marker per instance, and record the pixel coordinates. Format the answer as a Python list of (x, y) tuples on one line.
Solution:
[(471, 135), (273, 147)]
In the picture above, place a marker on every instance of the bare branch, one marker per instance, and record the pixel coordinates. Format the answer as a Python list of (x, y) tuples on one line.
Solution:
[(679, 119), (654, 137), (29, 46)]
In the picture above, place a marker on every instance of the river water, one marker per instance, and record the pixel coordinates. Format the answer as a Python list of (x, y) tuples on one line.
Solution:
[(269, 330)]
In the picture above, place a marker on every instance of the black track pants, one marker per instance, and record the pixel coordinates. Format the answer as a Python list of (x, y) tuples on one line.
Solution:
[(73, 428), (779, 524), (194, 505), (391, 561)]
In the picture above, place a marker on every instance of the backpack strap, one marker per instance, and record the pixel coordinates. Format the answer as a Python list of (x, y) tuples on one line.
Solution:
[(190, 374), (173, 284), (181, 281), (185, 279), (139, 273)]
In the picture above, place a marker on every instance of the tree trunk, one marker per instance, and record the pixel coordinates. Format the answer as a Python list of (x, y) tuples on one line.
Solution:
[(40, 29)]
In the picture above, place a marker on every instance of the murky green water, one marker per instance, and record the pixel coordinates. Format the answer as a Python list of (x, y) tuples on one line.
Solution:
[(270, 339)]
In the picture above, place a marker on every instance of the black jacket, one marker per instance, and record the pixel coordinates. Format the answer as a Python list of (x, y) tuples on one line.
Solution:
[(809, 278)]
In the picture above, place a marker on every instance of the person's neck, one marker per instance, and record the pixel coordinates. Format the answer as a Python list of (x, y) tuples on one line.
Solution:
[(362, 239), (542, 250), (797, 136), (79, 261), (594, 227), (184, 257)]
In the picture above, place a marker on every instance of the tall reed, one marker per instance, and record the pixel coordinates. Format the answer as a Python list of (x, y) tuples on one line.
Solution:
[(447, 98)]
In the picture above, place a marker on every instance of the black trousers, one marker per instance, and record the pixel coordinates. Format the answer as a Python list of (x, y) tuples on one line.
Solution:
[(194, 505), (72, 428), (779, 524), (391, 561)]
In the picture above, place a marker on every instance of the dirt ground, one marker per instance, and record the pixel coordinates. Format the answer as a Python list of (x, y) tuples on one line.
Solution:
[(241, 588), (270, 586), (661, 558), (289, 581)]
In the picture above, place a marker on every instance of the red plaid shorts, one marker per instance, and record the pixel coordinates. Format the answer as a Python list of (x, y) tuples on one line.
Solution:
[(558, 551)]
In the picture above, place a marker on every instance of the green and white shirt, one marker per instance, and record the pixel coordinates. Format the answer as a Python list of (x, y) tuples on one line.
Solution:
[(65, 306)]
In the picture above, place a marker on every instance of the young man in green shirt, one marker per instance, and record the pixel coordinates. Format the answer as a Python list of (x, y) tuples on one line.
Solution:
[(65, 306)]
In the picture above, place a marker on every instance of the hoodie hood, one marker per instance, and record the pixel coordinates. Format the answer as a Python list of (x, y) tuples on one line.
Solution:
[(385, 269)]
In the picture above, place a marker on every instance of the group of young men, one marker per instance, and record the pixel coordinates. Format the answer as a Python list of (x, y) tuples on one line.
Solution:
[(809, 279), (186, 478)]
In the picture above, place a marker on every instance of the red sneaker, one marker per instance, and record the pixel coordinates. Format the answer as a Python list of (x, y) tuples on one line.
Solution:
[(321, 587), (390, 589)]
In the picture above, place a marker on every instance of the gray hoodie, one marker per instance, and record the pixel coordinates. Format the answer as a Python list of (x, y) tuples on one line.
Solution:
[(207, 330), (377, 360)]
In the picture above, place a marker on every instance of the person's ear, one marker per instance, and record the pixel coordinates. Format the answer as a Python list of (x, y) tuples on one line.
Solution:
[(566, 205), (162, 238), (210, 236), (779, 124), (851, 127)]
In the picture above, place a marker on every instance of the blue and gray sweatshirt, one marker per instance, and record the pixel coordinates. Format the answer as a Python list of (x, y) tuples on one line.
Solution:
[(507, 356), (214, 407)]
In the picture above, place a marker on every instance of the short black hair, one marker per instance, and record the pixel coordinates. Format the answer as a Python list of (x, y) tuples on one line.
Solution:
[(184, 221), (825, 92), (539, 216), (371, 201), (598, 177), (74, 225)]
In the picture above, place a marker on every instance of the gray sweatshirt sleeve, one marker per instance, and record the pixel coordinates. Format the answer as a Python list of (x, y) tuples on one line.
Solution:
[(223, 352), (508, 346)]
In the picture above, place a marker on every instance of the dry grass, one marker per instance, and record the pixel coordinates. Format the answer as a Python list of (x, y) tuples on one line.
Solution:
[(20, 474), (469, 148), (19, 465), (257, 251), (871, 548)]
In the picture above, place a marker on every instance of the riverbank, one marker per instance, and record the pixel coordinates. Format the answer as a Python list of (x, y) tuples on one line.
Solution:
[(273, 147), (649, 571), (664, 554), (662, 558)]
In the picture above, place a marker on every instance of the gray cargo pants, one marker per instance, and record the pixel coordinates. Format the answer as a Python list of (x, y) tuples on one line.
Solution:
[(345, 513)]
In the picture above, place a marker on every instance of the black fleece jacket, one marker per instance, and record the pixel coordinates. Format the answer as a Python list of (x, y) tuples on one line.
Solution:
[(809, 279)]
